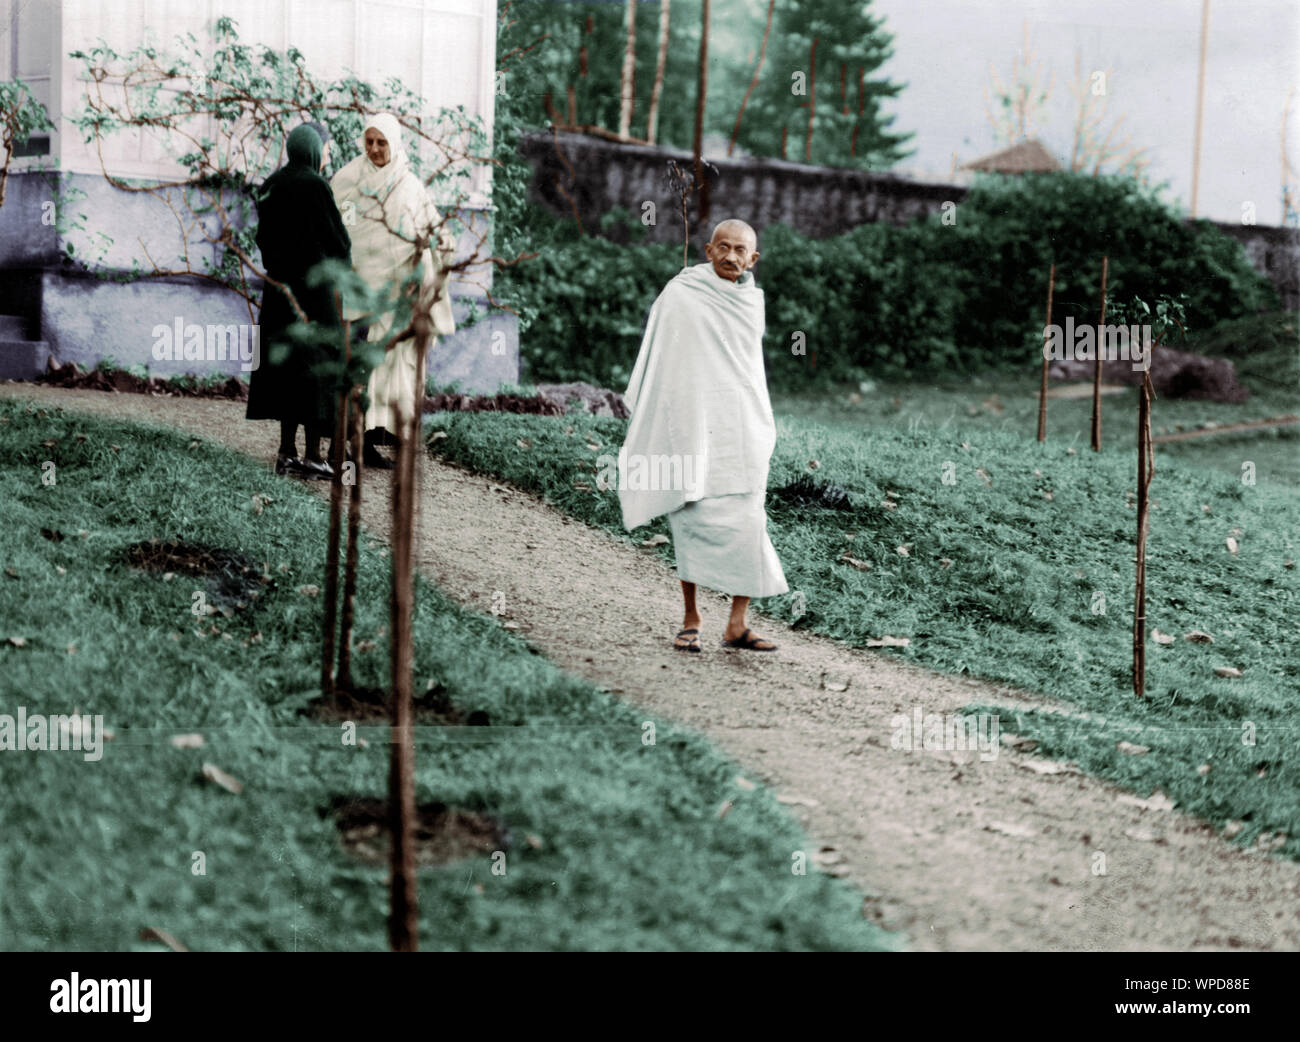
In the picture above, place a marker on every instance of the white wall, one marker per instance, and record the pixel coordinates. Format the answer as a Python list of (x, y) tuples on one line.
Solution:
[(442, 49)]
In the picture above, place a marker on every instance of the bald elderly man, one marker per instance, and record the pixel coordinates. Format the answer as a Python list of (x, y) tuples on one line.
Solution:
[(701, 434)]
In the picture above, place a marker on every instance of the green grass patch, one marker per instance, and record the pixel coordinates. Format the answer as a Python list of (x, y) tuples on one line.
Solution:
[(632, 854), (999, 581)]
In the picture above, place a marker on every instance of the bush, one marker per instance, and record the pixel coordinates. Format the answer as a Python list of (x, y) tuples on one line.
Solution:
[(923, 300)]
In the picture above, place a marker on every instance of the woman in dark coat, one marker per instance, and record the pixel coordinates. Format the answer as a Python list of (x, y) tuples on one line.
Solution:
[(298, 226)]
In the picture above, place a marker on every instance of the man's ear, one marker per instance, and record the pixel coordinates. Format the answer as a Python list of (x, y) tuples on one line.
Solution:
[(753, 259)]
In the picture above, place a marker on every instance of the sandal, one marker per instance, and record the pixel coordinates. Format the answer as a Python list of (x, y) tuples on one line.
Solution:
[(691, 645), (748, 642)]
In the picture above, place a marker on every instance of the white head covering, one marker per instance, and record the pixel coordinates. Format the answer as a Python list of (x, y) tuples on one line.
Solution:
[(386, 123)]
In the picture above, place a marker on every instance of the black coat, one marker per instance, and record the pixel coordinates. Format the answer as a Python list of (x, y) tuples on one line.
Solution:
[(298, 226)]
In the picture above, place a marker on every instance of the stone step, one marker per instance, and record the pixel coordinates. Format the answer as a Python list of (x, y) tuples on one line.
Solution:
[(13, 327), (22, 359)]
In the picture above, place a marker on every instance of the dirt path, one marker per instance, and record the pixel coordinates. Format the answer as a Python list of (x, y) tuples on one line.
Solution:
[(959, 853)]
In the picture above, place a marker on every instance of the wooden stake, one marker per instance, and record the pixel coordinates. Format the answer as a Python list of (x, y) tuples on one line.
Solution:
[(1146, 468), (343, 676), (403, 920), (1042, 390), (1096, 373), (336, 511)]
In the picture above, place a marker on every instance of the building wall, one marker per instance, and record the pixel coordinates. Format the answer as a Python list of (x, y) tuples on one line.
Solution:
[(592, 176), (442, 49)]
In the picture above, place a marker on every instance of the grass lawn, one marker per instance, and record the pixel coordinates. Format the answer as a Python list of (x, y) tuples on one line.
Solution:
[(1270, 370), (1006, 559), (613, 843)]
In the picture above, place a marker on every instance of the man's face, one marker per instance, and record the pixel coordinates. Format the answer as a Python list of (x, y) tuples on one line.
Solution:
[(324, 156), (732, 252), (376, 147)]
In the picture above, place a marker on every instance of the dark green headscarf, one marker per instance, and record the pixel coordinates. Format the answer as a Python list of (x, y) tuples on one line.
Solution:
[(305, 148)]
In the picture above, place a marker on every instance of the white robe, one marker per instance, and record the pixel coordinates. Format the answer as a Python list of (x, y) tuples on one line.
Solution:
[(385, 209), (701, 434)]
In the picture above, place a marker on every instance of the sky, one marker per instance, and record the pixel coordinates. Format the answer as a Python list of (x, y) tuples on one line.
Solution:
[(943, 48)]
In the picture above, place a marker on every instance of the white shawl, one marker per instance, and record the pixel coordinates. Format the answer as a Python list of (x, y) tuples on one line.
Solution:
[(701, 422), (385, 209)]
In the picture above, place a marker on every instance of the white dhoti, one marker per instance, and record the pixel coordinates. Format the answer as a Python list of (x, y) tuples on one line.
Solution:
[(392, 382), (722, 543)]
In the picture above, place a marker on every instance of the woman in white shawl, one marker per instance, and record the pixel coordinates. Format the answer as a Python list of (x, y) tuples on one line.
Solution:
[(386, 209)]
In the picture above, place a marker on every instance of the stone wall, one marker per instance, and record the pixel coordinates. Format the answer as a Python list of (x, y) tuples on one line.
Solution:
[(592, 177)]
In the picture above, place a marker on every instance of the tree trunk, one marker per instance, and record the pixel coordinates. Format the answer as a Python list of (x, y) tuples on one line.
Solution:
[(812, 100), (701, 182), (762, 51), (627, 79), (661, 62)]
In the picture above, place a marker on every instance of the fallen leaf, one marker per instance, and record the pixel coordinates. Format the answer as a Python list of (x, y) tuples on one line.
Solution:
[(830, 683), (1227, 671), (309, 590), (533, 841), (11, 573), (60, 569), (364, 646), (813, 464), (1142, 835), (1231, 544), (1071, 451), (1157, 801), (904, 550), (966, 445), (744, 783), (1198, 637), (725, 809), (796, 801), (659, 539), (1133, 750), (1232, 828), (523, 443), (217, 776), (1161, 638), (946, 561), (1204, 769), (888, 504), (438, 436), (1047, 767), (983, 475), (152, 933), (18, 642), (1008, 828), (187, 741), (888, 642), (862, 566)]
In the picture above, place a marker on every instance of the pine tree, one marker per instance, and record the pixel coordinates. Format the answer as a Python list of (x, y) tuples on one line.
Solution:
[(819, 99)]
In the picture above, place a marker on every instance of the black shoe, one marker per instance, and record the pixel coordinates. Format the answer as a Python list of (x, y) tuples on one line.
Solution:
[(286, 464), (317, 469)]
